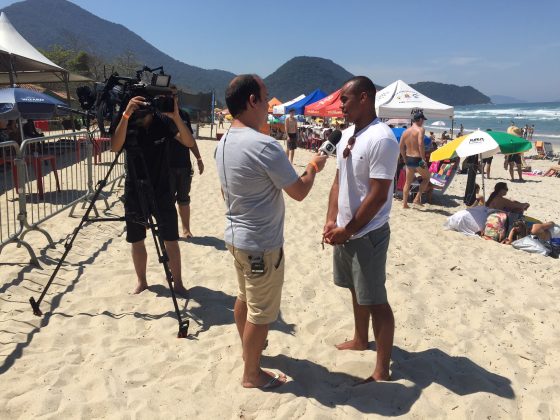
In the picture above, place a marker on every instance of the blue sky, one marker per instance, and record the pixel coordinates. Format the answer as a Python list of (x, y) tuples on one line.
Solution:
[(497, 46)]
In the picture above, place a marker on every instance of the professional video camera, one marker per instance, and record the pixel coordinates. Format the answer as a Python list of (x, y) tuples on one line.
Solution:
[(111, 97)]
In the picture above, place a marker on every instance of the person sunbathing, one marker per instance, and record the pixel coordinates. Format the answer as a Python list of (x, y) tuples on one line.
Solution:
[(520, 229), (553, 171), (498, 201)]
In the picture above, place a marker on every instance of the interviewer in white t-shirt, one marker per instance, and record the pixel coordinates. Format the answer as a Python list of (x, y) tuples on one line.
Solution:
[(358, 219)]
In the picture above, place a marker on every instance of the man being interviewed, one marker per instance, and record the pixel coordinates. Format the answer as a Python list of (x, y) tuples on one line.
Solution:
[(253, 171), (358, 218)]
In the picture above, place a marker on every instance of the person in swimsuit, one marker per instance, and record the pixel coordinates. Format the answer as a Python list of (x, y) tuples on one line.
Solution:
[(413, 153), (498, 201), (291, 132)]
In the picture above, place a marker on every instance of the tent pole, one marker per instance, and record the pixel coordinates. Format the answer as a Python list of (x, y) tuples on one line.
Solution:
[(66, 77), (21, 129), (12, 72), (452, 121), (483, 187)]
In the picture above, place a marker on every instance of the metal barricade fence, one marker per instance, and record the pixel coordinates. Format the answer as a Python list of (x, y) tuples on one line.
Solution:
[(11, 219), (52, 174)]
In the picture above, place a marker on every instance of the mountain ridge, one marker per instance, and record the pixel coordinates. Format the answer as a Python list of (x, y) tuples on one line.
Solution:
[(72, 19), (74, 30)]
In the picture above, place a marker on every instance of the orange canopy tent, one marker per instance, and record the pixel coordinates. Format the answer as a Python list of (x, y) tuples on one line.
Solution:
[(272, 103), (327, 107)]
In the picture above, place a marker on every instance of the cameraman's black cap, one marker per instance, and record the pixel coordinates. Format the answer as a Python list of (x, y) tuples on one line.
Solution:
[(418, 115)]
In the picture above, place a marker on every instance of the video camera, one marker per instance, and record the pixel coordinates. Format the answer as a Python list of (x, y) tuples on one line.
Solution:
[(110, 98)]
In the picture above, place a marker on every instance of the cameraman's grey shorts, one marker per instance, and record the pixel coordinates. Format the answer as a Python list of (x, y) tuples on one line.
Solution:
[(360, 265)]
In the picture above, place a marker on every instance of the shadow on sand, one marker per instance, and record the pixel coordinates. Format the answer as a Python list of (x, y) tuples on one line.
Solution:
[(459, 375)]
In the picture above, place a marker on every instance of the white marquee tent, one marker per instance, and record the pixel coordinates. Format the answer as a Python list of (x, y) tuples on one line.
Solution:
[(21, 62), (398, 100), (280, 109)]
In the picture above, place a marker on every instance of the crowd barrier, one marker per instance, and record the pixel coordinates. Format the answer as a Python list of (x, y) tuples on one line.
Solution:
[(45, 176)]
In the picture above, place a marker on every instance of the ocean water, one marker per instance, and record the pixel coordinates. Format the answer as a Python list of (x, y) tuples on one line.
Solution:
[(545, 116)]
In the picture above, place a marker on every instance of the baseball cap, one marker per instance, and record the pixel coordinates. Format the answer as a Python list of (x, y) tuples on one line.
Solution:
[(418, 115)]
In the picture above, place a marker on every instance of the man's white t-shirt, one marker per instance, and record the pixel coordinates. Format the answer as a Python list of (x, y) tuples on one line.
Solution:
[(374, 155)]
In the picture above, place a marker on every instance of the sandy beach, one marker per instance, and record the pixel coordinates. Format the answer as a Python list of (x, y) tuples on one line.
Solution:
[(477, 323)]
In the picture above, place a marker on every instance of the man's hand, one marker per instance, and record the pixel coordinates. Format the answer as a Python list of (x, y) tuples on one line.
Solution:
[(175, 114), (329, 226), (200, 166), (319, 160), (337, 236), (134, 104)]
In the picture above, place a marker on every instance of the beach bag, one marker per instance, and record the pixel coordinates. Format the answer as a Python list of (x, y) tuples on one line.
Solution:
[(496, 226), (434, 167), (532, 245)]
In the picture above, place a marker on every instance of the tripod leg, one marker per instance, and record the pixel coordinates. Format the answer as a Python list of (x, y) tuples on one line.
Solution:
[(150, 212), (68, 245), (163, 258)]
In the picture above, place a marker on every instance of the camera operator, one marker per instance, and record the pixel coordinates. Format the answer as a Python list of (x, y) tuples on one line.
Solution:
[(181, 173), (153, 133)]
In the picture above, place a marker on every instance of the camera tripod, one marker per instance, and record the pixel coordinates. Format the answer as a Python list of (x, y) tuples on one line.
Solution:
[(150, 217)]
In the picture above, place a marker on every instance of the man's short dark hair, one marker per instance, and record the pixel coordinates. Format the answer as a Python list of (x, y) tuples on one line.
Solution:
[(363, 84), (239, 91)]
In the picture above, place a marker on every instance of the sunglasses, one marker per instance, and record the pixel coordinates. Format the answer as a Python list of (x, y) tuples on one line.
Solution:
[(349, 146)]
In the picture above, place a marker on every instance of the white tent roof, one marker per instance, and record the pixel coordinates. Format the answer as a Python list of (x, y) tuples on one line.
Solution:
[(398, 100), (29, 65), (279, 109)]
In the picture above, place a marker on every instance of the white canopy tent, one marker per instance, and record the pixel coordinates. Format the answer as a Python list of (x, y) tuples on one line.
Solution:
[(21, 62), (398, 100), (280, 109)]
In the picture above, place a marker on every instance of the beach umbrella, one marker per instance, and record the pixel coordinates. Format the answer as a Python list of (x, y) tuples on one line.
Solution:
[(438, 124), (24, 103), (484, 143)]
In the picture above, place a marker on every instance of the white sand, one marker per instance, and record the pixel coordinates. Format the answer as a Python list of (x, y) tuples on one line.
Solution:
[(477, 323)]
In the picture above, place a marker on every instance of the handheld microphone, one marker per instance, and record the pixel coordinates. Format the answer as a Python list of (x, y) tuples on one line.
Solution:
[(328, 147)]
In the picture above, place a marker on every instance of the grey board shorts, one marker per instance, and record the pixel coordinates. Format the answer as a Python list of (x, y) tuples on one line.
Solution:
[(360, 265)]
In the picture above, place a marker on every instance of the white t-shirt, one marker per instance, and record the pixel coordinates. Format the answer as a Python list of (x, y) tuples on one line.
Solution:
[(374, 155)]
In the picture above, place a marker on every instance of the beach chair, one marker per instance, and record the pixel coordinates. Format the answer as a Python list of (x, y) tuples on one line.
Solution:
[(444, 176), (548, 151), (539, 145), (401, 180)]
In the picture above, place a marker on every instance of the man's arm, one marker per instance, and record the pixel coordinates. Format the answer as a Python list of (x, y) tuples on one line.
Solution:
[(119, 136), (421, 143), (375, 199), (196, 154), (402, 148), (332, 210), (299, 189)]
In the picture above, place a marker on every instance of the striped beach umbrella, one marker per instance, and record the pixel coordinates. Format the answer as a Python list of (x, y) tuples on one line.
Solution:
[(483, 143)]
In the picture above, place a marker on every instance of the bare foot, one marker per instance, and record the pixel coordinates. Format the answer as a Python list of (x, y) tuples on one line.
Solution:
[(187, 234), (351, 345), (140, 287), (180, 290), (375, 378), (265, 380), (381, 375), (405, 206), (418, 203)]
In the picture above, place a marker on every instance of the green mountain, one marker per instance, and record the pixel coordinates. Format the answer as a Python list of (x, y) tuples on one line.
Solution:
[(451, 94), (45, 23), (304, 75)]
